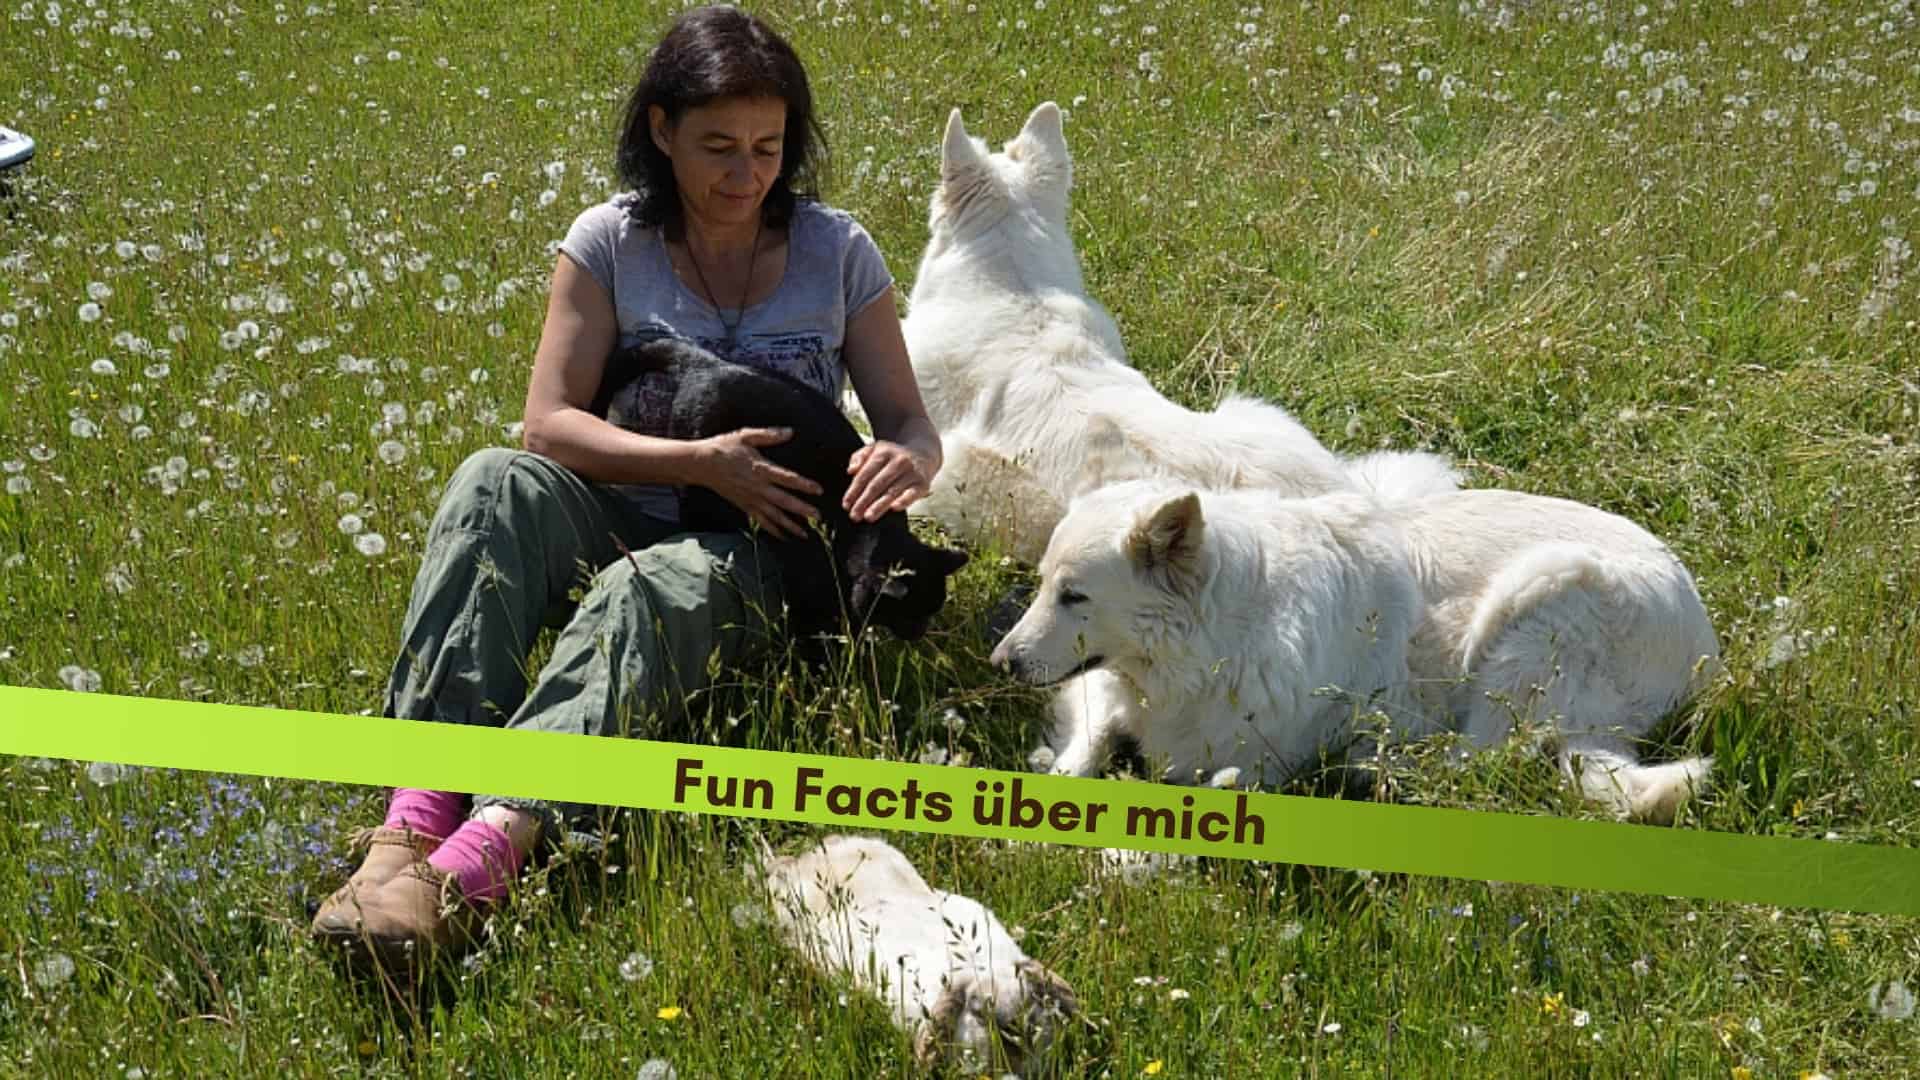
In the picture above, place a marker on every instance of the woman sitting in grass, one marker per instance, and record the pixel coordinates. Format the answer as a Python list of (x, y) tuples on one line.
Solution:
[(715, 243)]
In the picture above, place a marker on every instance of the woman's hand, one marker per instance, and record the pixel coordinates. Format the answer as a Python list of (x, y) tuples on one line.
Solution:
[(886, 477), (732, 465), (897, 468)]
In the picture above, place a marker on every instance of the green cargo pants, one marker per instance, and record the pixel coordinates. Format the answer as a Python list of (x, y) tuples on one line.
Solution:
[(514, 535)]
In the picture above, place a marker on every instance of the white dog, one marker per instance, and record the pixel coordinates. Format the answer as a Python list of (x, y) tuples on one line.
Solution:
[(1243, 630), (1028, 382), (956, 981)]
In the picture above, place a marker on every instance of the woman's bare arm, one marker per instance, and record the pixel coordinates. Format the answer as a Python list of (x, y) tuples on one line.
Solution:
[(898, 468)]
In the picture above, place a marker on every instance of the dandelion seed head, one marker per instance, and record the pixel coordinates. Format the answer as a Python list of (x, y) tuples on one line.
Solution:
[(119, 579), (52, 970), (636, 966)]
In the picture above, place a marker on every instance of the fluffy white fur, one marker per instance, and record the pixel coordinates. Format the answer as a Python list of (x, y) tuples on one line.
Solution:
[(1027, 379), (955, 980), (1240, 629)]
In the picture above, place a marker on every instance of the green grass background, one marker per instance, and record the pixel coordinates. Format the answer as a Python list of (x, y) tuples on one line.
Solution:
[(1656, 256)]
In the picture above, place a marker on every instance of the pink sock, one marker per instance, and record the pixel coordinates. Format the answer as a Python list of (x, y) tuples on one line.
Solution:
[(480, 858), (431, 813)]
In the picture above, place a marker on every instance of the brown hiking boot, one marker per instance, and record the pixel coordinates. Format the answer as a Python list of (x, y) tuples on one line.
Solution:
[(419, 910), (389, 851)]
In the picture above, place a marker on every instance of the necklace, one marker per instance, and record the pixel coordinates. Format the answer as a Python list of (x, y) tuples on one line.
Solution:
[(740, 315)]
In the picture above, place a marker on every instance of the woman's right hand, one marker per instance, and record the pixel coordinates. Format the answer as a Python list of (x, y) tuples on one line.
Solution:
[(733, 466)]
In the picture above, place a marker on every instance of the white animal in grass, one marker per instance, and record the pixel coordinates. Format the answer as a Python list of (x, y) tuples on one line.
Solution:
[(1027, 379), (1240, 629), (956, 981)]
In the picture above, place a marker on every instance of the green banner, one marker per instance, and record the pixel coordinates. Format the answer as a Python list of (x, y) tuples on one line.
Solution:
[(854, 793)]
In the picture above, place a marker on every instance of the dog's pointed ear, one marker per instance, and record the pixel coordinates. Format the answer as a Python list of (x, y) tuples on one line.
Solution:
[(1045, 127), (1167, 542), (958, 154)]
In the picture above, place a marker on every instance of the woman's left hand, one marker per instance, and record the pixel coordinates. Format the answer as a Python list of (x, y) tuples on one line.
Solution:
[(886, 477)]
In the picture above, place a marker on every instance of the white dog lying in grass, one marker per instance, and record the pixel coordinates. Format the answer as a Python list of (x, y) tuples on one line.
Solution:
[(955, 979), (1027, 379), (1242, 629)]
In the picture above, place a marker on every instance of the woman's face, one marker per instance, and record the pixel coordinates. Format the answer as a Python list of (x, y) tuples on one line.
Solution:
[(725, 154)]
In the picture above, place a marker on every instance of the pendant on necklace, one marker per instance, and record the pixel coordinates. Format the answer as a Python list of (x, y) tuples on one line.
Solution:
[(740, 316)]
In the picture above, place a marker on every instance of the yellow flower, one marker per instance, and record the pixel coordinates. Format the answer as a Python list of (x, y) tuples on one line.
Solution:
[(1373, 232), (1741, 1072), (1841, 939), (366, 1048), (293, 459), (1154, 1067), (669, 1012), (1552, 1003)]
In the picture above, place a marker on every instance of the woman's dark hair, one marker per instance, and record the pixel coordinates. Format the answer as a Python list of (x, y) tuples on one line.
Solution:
[(707, 54)]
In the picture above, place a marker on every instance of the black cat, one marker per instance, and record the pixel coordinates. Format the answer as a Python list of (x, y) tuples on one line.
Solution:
[(866, 572)]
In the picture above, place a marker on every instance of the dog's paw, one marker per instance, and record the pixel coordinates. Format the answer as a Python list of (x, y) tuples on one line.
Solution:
[(1073, 761)]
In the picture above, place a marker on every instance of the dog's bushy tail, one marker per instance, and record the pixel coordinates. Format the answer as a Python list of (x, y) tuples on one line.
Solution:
[(1403, 475)]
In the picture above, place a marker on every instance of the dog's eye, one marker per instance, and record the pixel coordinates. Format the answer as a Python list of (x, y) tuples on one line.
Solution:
[(1070, 597)]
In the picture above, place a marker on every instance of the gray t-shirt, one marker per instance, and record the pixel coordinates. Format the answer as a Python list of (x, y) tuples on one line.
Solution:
[(834, 270)]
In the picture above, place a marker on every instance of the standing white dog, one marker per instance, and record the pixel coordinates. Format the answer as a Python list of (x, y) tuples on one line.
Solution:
[(1243, 630), (1027, 379), (955, 979)]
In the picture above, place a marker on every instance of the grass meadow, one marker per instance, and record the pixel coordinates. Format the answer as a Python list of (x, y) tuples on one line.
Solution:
[(279, 267)]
